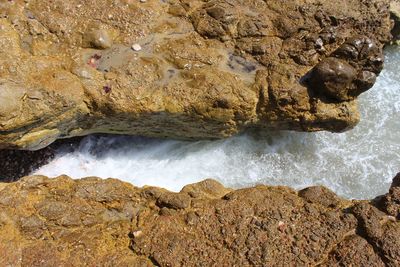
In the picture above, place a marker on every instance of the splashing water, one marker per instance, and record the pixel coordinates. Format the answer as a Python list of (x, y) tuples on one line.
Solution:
[(356, 164)]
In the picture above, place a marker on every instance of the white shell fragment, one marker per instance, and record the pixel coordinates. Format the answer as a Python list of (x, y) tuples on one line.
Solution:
[(136, 47)]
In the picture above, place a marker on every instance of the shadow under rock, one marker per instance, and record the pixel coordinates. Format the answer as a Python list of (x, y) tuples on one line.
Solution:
[(15, 164)]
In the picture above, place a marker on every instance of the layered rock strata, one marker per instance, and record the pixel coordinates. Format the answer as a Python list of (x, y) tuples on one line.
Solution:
[(184, 69), (94, 222)]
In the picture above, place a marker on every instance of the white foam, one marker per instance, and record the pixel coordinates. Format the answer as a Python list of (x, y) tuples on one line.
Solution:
[(356, 164)]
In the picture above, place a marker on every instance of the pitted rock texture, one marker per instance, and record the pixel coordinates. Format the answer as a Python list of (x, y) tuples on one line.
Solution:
[(199, 69), (94, 222), (390, 203)]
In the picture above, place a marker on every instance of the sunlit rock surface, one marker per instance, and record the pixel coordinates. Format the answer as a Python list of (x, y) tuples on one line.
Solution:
[(95, 222), (198, 70)]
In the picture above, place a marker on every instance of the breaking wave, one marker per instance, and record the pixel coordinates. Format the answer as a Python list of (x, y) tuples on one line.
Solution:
[(357, 164)]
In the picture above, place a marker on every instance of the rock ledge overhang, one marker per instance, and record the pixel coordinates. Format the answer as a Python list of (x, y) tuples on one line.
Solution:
[(184, 69)]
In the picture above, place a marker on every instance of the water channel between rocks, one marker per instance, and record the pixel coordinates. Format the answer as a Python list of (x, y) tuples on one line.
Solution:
[(357, 164)]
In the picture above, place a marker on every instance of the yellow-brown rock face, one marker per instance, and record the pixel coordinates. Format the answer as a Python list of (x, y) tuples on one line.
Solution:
[(94, 222), (184, 69)]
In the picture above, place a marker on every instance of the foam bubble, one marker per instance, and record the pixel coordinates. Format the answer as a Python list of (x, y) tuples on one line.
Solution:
[(356, 164)]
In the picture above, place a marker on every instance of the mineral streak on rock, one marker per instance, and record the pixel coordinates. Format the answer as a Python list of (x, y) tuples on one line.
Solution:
[(206, 69), (95, 222)]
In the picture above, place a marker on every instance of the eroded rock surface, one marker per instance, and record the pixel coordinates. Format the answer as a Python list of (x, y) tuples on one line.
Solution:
[(198, 69), (390, 203), (94, 222)]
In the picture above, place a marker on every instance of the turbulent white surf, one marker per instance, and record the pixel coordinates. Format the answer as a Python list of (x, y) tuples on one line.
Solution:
[(357, 164)]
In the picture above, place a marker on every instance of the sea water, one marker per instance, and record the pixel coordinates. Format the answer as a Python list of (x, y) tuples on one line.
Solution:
[(357, 164)]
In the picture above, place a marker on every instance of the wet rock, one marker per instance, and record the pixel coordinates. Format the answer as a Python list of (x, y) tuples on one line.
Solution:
[(348, 51), (351, 70), (395, 15), (396, 181), (110, 223), (205, 70), (15, 164), (362, 52), (365, 80), (332, 77)]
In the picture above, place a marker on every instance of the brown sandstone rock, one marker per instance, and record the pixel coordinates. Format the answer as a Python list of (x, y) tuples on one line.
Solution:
[(354, 251), (390, 203), (207, 69), (94, 222)]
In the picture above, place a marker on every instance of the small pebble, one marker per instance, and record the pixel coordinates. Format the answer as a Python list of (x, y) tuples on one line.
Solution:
[(136, 47)]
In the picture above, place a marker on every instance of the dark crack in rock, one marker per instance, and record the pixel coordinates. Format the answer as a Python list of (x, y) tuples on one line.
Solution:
[(204, 70)]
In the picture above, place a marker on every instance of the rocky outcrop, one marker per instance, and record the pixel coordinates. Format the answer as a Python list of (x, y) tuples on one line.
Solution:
[(184, 69), (390, 203), (94, 222)]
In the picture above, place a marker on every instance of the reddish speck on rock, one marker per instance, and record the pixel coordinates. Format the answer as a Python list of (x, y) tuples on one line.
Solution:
[(93, 60), (107, 89)]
